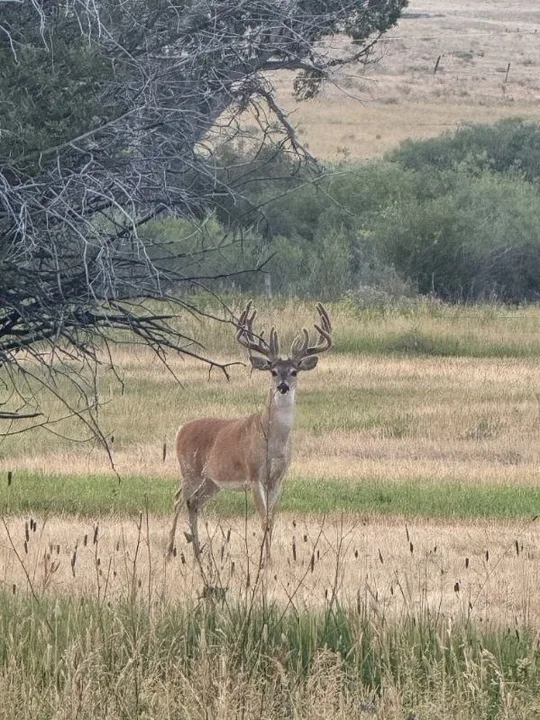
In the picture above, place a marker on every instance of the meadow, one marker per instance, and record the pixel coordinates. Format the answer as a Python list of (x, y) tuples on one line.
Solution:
[(406, 551), (445, 65)]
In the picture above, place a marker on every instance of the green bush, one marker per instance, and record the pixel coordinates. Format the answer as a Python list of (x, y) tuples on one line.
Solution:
[(455, 217), (480, 241), (510, 145)]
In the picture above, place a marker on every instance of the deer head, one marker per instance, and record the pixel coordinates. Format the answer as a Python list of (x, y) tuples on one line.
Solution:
[(302, 356)]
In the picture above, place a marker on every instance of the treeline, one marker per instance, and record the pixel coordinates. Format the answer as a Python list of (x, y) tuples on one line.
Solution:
[(457, 217)]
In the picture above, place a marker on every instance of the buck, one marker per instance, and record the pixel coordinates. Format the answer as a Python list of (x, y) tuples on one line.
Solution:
[(251, 452)]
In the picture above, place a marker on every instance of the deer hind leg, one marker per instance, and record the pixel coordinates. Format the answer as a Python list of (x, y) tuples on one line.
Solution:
[(196, 495), (178, 505)]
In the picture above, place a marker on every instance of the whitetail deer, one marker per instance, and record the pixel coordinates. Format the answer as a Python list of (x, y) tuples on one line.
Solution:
[(251, 452)]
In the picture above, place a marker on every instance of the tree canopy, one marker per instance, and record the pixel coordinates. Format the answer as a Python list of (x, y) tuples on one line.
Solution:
[(110, 115)]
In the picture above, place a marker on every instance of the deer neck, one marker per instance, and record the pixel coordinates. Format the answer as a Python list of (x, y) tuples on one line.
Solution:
[(278, 418)]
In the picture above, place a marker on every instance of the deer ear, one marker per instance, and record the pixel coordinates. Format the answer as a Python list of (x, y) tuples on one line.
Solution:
[(259, 363), (308, 363)]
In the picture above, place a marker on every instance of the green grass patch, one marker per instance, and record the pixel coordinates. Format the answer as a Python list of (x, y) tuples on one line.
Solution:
[(101, 495)]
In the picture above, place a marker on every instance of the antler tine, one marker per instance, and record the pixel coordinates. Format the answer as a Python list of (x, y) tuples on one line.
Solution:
[(274, 343), (325, 317), (299, 344), (300, 347), (249, 339)]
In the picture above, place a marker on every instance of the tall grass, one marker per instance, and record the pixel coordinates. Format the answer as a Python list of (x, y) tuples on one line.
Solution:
[(419, 326), (207, 661)]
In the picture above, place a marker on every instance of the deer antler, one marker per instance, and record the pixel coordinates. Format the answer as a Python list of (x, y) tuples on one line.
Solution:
[(300, 347), (256, 343)]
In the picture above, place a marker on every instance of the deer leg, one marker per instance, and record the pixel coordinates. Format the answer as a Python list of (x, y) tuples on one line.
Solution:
[(260, 496), (179, 503), (195, 501), (273, 493)]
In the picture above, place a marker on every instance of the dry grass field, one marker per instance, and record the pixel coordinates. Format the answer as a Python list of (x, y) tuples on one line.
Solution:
[(409, 421), (481, 571), (365, 111), (406, 551), (416, 604)]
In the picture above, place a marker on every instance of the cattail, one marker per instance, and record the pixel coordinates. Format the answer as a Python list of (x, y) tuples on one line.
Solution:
[(96, 530), (456, 587), (381, 557), (26, 547), (487, 555), (73, 561), (466, 563), (9, 477), (85, 539), (356, 553), (294, 548), (517, 548), (26, 532), (411, 547), (312, 562)]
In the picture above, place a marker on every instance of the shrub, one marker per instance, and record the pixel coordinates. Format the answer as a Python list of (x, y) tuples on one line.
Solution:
[(510, 145), (481, 240)]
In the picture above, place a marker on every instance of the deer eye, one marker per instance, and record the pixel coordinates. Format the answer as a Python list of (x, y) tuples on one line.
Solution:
[(294, 373), (274, 373)]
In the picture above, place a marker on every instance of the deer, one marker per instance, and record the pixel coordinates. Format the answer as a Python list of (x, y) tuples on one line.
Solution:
[(251, 452)]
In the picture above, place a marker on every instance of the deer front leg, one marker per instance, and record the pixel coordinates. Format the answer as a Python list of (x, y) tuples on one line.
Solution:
[(265, 504)]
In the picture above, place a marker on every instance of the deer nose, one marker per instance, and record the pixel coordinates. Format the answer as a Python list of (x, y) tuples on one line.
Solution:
[(283, 388)]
